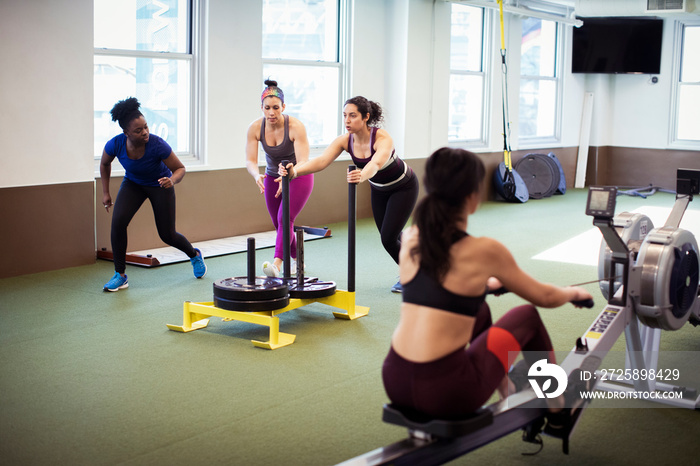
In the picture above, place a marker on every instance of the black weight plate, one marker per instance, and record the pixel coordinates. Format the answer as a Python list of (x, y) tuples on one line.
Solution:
[(312, 290), (556, 173), (238, 289), (251, 306), (539, 175)]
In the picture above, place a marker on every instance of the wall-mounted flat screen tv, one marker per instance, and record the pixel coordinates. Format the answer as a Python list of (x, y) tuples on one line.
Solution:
[(617, 45)]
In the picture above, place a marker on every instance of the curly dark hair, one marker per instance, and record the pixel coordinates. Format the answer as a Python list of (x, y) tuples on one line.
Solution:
[(126, 110), (365, 106), (451, 176)]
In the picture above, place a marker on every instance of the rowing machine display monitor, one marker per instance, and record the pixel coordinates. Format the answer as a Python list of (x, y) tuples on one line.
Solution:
[(601, 206), (601, 201), (687, 182)]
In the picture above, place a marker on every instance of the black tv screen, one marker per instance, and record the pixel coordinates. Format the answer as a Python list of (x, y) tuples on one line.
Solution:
[(617, 45)]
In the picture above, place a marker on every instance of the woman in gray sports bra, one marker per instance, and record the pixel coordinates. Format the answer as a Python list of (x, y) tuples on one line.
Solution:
[(282, 137)]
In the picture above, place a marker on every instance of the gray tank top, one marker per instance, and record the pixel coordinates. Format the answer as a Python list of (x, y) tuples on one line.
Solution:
[(275, 154)]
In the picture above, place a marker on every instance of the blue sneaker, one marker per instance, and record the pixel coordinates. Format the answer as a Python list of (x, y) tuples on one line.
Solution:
[(397, 288), (116, 283), (200, 268)]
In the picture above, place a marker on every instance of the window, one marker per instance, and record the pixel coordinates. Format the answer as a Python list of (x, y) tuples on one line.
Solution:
[(539, 82), (302, 52), (467, 112), (687, 111), (146, 49)]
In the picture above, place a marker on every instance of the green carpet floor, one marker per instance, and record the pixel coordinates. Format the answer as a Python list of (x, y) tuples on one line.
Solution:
[(94, 378)]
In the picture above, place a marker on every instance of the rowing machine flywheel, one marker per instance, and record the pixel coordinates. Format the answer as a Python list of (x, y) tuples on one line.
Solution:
[(669, 278), (632, 228)]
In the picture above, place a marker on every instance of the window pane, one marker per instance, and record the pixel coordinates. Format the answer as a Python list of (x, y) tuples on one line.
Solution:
[(300, 29), (690, 69), (152, 25), (162, 87), (310, 94), (466, 100), (689, 112), (538, 47), (466, 36), (537, 108)]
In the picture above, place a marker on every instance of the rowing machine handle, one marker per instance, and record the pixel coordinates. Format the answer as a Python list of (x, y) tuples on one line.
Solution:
[(587, 303)]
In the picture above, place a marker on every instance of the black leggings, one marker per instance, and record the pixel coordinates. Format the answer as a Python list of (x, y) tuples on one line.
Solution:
[(129, 200), (391, 210), (461, 382)]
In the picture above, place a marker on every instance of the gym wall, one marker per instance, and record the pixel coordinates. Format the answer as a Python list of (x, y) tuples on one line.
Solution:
[(50, 205)]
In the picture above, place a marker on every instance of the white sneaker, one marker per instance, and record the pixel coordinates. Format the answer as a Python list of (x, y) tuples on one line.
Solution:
[(293, 268), (270, 269)]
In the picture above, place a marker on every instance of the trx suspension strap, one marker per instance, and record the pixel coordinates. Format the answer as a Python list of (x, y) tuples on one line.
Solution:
[(507, 182)]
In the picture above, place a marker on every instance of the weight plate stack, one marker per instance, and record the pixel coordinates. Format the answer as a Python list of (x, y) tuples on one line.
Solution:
[(263, 294), (540, 173)]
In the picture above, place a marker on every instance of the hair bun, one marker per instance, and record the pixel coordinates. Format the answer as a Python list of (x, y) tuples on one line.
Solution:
[(270, 82)]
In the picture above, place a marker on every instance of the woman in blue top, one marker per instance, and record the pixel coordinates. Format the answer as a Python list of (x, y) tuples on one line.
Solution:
[(394, 187), (152, 170)]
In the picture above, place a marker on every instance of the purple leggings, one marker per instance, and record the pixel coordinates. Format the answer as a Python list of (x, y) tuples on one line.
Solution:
[(299, 192), (461, 382)]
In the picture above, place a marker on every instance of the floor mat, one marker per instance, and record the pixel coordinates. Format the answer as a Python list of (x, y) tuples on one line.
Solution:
[(584, 249)]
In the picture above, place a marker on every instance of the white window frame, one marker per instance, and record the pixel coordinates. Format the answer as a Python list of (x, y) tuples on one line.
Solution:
[(194, 155), (342, 54), (486, 45), (555, 139), (674, 142)]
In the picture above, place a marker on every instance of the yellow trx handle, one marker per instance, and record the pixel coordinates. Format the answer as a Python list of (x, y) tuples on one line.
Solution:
[(506, 149), (503, 39)]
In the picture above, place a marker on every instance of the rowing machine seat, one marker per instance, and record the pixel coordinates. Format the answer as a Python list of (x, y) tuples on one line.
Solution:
[(444, 428)]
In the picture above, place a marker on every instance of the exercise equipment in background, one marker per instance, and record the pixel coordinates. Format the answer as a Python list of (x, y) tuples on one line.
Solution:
[(506, 181), (542, 174)]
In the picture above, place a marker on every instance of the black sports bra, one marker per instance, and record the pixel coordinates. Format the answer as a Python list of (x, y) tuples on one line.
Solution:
[(424, 290)]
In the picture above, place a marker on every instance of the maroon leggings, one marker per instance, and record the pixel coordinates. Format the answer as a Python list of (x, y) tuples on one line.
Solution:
[(461, 382)]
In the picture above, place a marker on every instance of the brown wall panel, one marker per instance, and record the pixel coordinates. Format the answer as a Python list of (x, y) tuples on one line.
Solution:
[(629, 166), (46, 227), (50, 227), (223, 203)]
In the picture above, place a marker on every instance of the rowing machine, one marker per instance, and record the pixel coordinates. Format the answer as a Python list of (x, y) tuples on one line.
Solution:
[(658, 290)]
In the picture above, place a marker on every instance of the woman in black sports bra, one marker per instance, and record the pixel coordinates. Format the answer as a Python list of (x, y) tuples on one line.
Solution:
[(394, 186), (446, 357)]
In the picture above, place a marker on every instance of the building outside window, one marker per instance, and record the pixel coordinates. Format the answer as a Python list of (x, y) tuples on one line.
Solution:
[(468, 89), (303, 44), (147, 49), (687, 115), (539, 107)]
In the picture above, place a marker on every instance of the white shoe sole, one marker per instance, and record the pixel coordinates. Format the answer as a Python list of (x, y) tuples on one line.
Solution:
[(270, 269), (124, 286)]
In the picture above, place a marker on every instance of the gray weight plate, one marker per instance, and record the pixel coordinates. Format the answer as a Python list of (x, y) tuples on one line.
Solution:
[(538, 174), (262, 289), (251, 306)]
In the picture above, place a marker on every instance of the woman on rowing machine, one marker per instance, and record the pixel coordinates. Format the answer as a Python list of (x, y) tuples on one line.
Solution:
[(282, 137), (446, 357), (394, 187)]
